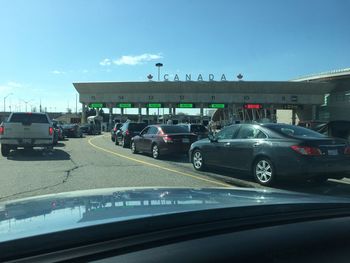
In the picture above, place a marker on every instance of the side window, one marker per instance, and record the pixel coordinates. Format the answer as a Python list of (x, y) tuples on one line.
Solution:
[(152, 130), (260, 135), (227, 133), (145, 130), (250, 132)]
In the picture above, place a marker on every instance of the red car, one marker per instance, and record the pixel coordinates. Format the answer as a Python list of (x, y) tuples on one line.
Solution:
[(162, 140)]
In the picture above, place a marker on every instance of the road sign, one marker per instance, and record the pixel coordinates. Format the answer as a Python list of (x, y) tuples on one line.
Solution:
[(154, 105), (217, 105), (124, 105), (97, 105), (253, 106), (185, 105)]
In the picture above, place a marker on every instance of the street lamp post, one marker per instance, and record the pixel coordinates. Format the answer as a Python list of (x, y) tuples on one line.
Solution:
[(5, 100), (158, 65), (26, 103)]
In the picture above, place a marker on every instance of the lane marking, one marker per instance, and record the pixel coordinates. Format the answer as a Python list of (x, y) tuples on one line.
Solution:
[(154, 165)]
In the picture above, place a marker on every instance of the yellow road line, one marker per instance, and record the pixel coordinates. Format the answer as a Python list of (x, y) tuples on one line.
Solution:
[(154, 165)]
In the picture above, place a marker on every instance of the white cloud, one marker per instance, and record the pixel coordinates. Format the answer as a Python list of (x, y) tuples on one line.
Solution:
[(106, 62), (136, 60), (5, 89), (14, 84), (58, 72), (11, 86)]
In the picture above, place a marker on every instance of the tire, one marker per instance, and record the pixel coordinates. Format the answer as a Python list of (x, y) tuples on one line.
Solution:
[(197, 160), (264, 171), (113, 139), (133, 148), (5, 150), (155, 151), (123, 144), (116, 142)]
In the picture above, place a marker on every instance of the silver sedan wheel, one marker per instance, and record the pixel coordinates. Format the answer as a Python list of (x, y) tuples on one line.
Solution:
[(263, 171), (197, 160), (133, 147), (155, 152)]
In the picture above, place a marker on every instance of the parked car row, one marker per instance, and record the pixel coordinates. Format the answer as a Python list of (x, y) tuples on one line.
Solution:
[(266, 151), (73, 130)]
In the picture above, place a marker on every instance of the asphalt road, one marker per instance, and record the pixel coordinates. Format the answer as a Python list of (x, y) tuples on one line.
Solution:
[(95, 162), (88, 163)]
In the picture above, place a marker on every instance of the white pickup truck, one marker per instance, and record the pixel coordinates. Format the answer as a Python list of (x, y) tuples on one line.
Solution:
[(26, 130)]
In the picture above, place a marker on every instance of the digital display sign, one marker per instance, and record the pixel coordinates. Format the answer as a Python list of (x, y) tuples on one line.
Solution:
[(97, 105), (217, 105), (154, 105), (253, 106), (124, 105), (185, 105)]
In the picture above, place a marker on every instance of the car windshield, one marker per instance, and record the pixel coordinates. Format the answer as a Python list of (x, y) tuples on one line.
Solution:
[(180, 99), (295, 131), (28, 118), (174, 129)]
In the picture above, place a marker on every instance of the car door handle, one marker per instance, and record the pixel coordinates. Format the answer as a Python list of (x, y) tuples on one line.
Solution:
[(227, 144), (256, 144)]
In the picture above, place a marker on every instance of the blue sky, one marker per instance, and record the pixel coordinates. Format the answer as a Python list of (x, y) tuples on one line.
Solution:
[(47, 45)]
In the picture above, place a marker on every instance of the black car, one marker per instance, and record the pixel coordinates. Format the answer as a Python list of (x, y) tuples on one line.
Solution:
[(162, 140), (127, 131), (339, 129), (199, 129), (72, 130), (116, 127), (272, 151), (90, 129)]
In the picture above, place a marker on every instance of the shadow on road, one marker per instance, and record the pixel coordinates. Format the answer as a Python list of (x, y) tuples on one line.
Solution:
[(332, 187), (38, 155), (177, 158), (59, 144)]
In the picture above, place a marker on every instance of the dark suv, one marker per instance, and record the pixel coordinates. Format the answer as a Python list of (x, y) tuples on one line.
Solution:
[(127, 131), (200, 130)]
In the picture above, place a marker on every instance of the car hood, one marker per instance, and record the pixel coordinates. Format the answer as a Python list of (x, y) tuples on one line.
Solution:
[(57, 212)]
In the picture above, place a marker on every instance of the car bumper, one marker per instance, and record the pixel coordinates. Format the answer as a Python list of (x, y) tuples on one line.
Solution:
[(27, 142), (168, 148), (71, 134), (314, 167)]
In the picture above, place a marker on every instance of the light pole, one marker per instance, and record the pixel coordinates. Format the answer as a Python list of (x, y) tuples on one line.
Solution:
[(5, 100), (158, 65), (26, 102)]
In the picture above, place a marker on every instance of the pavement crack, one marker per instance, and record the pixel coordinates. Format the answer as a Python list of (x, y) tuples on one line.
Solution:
[(65, 179), (69, 171)]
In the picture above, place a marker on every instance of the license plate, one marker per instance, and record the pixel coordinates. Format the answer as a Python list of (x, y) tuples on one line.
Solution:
[(185, 140), (27, 141), (332, 152)]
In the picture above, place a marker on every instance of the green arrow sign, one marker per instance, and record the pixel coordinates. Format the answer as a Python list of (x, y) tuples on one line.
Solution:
[(124, 105), (96, 105), (154, 105), (217, 105), (185, 105)]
